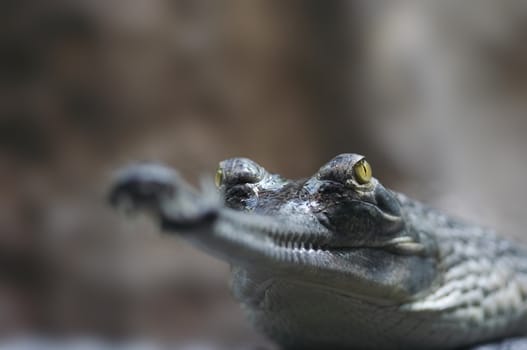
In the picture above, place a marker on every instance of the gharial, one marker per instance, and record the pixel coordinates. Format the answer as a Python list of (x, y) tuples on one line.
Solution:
[(336, 260)]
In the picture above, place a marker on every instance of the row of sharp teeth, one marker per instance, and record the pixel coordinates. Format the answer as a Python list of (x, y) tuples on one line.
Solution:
[(286, 240), (288, 244)]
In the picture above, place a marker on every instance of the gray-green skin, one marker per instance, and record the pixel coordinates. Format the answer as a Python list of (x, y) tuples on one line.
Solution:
[(326, 262)]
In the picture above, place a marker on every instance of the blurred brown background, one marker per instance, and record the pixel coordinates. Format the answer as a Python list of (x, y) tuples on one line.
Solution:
[(434, 93)]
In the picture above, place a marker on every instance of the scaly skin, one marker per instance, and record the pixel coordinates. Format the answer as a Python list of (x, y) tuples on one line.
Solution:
[(337, 261)]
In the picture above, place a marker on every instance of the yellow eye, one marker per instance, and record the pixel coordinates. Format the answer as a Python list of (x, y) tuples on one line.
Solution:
[(362, 171), (218, 177)]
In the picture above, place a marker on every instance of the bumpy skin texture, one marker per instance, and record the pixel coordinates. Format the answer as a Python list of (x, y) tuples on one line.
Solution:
[(334, 261)]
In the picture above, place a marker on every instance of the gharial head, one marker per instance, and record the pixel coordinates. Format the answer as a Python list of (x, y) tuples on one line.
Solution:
[(339, 225), (339, 228)]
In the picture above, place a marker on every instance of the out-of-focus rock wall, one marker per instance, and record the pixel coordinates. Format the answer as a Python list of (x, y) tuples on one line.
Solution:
[(450, 83), (432, 92), (92, 86)]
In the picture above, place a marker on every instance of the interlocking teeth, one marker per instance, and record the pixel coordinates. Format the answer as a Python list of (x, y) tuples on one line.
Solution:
[(293, 242)]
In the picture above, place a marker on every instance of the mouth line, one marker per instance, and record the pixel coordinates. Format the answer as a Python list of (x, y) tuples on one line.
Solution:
[(320, 244)]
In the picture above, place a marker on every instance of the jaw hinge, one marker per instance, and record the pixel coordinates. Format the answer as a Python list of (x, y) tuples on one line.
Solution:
[(409, 248)]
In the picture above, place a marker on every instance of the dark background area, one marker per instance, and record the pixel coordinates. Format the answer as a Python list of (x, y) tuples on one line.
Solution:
[(433, 93)]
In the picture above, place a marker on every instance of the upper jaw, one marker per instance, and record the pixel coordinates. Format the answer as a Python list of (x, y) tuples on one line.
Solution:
[(321, 239)]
